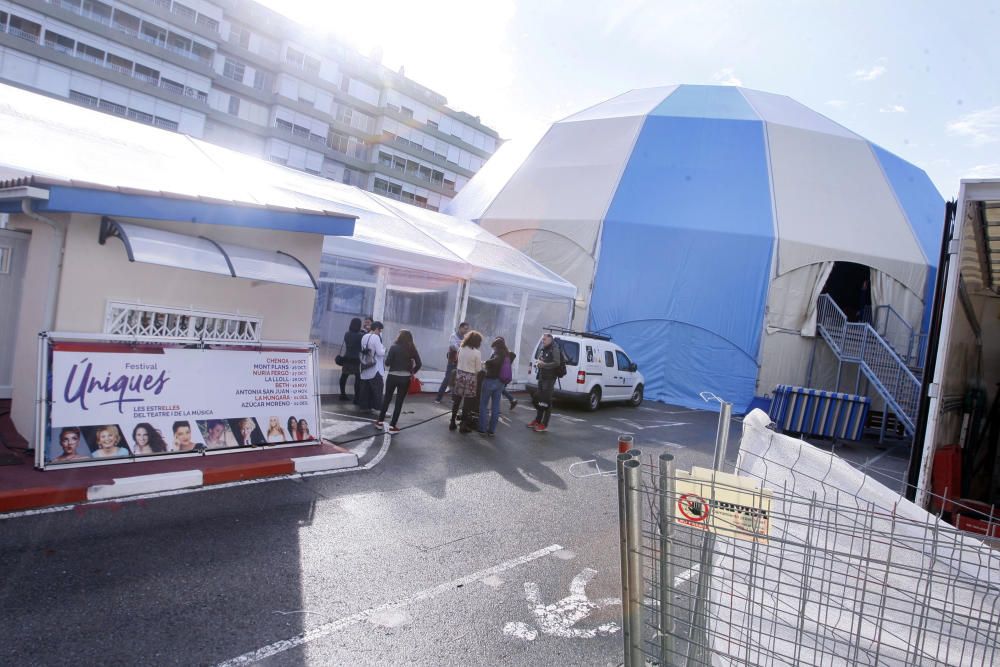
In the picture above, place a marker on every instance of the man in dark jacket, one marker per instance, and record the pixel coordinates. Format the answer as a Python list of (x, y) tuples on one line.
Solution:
[(547, 362)]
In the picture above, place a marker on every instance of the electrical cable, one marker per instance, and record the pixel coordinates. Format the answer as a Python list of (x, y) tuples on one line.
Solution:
[(408, 426)]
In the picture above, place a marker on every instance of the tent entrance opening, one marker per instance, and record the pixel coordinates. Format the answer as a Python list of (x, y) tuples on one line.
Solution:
[(850, 287)]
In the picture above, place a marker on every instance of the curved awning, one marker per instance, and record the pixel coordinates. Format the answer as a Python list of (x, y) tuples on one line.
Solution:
[(197, 253)]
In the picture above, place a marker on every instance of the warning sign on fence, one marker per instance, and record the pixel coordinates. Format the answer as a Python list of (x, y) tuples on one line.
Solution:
[(722, 503)]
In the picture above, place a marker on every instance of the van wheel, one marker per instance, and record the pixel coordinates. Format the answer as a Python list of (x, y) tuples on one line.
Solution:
[(594, 399), (636, 399)]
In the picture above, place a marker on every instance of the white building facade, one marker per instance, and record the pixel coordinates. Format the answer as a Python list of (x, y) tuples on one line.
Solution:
[(199, 68)]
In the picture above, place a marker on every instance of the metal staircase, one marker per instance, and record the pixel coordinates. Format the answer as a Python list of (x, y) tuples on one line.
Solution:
[(895, 373)]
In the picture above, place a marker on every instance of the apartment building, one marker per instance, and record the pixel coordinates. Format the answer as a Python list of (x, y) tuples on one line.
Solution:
[(240, 75)]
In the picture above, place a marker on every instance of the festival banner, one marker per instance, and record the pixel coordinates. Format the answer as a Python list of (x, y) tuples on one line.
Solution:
[(112, 401)]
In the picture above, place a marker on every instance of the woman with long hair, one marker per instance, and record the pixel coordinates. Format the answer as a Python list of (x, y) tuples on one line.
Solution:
[(401, 362), (147, 440), (470, 362), (293, 428), (350, 358), (274, 431), (493, 387), (303, 431)]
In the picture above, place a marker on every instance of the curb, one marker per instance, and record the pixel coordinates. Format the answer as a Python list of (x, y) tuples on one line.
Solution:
[(123, 487)]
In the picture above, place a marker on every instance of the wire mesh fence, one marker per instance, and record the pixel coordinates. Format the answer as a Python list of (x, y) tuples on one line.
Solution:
[(798, 559)]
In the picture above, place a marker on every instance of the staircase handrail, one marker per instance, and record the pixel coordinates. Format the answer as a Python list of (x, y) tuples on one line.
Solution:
[(911, 355), (879, 361)]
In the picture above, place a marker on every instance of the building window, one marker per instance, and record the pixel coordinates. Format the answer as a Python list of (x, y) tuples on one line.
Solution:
[(183, 10), (165, 124), (432, 124), (83, 98), (141, 116), (5, 253), (262, 80), (406, 111), (234, 69), (111, 107), (208, 22), (234, 105), (87, 52), (240, 36), (58, 42)]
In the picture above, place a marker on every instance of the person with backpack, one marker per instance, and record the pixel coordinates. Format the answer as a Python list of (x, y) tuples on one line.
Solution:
[(350, 359), (372, 365), (549, 363), (498, 374), (402, 363)]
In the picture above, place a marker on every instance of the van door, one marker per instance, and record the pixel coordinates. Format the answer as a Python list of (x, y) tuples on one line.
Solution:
[(625, 374), (612, 380)]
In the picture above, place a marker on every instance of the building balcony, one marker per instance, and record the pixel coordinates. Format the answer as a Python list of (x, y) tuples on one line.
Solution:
[(22, 34)]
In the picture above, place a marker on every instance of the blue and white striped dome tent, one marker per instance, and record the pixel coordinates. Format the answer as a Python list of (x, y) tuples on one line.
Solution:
[(700, 224)]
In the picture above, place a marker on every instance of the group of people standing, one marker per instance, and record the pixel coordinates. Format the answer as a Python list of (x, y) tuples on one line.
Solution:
[(380, 374), (465, 361)]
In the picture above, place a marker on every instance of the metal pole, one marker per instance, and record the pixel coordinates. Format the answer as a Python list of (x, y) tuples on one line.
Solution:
[(623, 547), (667, 504), (722, 435), (633, 513)]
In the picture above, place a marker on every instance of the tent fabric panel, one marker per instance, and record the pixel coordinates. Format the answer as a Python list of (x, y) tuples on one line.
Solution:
[(472, 200), (706, 102), (715, 282), (785, 359), (561, 254), (679, 361), (688, 236), (571, 174), (704, 174), (637, 102), (921, 201), (838, 207), (783, 110)]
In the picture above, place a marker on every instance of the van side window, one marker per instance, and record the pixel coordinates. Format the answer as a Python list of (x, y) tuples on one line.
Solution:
[(590, 353), (623, 362), (609, 359)]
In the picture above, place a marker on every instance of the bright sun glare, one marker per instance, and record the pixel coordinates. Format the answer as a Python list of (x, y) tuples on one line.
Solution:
[(459, 48)]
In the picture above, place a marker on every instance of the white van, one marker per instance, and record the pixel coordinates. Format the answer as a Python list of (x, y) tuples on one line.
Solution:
[(597, 370)]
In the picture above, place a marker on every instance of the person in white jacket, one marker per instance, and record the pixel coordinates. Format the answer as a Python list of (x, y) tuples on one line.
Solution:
[(373, 375)]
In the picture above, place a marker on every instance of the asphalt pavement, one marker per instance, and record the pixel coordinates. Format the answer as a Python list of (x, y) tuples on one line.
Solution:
[(452, 550)]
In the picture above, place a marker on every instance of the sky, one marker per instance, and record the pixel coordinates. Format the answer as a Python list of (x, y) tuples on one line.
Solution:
[(920, 78)]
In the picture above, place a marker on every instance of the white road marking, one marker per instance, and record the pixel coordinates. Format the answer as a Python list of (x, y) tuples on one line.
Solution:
[(654, 424), (328, 628), (362, 448), (685, 575), (349, 416), (334, 428), (557, 620)]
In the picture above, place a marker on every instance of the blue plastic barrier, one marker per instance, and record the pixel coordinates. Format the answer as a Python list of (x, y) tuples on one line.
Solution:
[(817, 412)]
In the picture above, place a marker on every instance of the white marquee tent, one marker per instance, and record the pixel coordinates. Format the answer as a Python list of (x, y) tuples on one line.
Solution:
[(700, 223), (425, 271)]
